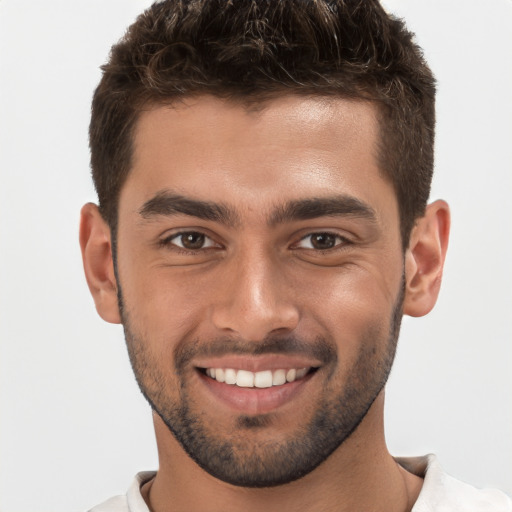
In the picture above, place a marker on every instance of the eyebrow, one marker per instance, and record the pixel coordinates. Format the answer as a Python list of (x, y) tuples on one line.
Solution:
[(167, 203), (333, 206)]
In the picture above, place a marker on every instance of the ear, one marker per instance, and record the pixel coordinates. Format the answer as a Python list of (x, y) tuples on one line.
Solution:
[(424, 259), (96, 245)]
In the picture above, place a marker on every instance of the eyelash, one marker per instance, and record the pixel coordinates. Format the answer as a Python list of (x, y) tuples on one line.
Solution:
[(342, 242), (168, 242)]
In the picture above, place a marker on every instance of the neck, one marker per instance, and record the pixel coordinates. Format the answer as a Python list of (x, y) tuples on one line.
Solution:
[(359, 475)]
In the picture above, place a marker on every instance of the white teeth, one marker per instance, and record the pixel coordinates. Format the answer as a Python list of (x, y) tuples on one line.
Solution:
[(291, 375), (245, 379), (219, 374), (278, 378), (230, 376), (263, 379)]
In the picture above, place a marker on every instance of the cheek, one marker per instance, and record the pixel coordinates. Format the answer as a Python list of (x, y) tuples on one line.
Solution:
[(166, 304), (353, 295), (353, 307)]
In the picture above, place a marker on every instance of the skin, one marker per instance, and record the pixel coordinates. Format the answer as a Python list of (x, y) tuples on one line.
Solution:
[(259, 277)]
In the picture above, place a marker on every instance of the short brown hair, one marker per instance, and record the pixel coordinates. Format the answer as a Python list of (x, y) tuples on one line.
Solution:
[(251, 50)]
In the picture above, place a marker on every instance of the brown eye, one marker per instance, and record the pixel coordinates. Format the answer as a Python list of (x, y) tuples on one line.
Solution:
[(191, 240), (321, 241)]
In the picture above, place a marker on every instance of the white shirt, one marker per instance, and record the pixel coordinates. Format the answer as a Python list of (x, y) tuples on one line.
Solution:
[(440, 492)]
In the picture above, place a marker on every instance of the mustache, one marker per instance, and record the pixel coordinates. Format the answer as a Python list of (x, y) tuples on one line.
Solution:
[(320, 348)]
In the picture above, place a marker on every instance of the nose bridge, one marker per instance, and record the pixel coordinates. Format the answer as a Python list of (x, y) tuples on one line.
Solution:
[(255, 297)]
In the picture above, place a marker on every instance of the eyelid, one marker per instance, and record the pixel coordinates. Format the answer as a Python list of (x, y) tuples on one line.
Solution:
[(168, 239), (343, 240)]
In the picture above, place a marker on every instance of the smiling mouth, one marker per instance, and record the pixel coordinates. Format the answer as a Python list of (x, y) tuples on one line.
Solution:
[(261, 379)]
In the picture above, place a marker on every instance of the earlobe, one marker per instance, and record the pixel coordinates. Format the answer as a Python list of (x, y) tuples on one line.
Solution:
[(424, 259), (96, 246)]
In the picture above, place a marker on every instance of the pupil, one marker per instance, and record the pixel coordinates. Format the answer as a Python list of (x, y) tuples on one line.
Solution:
[(323, 241), (192, 240)]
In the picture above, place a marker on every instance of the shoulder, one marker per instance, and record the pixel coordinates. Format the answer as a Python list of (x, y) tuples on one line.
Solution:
[(443, 493), (132, 501)]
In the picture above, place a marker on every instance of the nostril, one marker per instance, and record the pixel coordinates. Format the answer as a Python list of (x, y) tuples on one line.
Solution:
[(257, 322)]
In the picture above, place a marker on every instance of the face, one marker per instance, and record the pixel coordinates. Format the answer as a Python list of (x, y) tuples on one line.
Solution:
[(260, 272)]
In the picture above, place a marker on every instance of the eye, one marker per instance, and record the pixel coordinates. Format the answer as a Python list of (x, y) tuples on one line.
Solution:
[(321, 241), (190, 240)]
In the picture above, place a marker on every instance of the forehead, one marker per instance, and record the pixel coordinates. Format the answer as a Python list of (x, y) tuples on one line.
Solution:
[(288, 146)]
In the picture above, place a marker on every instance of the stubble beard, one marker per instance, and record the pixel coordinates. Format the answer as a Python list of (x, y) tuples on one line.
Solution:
[(230, 456)]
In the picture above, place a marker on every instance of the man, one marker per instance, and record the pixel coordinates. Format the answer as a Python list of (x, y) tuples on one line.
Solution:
[(263, 170)]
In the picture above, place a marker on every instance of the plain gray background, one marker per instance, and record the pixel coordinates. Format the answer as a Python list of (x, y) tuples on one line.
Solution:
[(74, 427)]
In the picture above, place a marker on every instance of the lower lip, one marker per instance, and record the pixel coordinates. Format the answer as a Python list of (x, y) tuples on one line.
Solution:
[(255, 400)]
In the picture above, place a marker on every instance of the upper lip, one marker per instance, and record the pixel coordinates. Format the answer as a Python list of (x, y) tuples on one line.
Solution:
[(258, 363)]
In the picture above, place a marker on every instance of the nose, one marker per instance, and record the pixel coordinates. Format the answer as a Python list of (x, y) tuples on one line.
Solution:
[(255, 299)]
